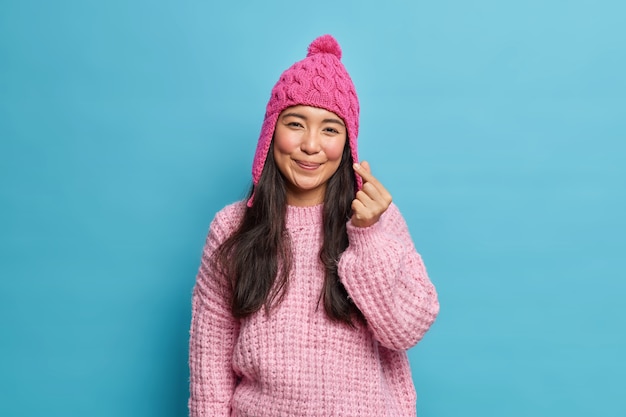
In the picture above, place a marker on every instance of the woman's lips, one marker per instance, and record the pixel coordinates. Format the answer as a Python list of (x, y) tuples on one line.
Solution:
[(309, 166)]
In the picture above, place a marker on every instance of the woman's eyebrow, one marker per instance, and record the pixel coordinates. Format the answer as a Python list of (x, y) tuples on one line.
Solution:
[(303, 117), (339, 122)]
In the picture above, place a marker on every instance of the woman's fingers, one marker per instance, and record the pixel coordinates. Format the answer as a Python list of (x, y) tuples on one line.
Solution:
[(371, 185), (372, 200), (365, 171)]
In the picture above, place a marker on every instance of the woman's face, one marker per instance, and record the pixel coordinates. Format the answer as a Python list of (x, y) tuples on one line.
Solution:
[(308, 145)]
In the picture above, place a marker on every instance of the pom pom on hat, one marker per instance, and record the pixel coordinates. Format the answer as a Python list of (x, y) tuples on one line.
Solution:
[(325, 44), (319, 80)]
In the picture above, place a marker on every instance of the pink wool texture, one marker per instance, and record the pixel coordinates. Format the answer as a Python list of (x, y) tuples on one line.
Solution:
[(319, 80), (296, 361)]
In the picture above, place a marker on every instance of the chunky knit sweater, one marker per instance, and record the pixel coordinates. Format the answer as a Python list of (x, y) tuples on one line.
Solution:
[(296, 361)]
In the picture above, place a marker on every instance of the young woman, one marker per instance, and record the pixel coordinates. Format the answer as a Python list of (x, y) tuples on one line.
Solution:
[(311, 291)]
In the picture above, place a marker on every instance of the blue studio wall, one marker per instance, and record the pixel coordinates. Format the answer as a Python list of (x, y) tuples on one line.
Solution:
[(498, 126)]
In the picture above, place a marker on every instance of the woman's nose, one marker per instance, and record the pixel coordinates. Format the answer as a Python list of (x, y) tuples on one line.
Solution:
[(311, 143)]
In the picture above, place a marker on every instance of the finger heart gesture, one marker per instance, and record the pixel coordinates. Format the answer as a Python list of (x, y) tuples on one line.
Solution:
[(371, 201)]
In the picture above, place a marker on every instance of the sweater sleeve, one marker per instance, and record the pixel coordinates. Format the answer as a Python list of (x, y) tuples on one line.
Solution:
[(386, 278), (213, 334)]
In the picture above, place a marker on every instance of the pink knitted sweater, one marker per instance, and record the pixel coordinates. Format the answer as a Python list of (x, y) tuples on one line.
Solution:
[(296, 362)]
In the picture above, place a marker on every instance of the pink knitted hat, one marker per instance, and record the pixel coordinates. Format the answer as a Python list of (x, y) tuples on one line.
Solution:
[(319, 80)]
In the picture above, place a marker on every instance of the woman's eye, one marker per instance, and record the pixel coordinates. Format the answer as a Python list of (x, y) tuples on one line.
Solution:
[(294, 124), (331, 130)]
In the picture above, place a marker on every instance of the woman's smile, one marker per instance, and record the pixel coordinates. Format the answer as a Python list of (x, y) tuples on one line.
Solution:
[(309, 166)]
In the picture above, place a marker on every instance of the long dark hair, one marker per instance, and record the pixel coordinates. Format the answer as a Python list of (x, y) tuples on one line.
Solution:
[(256, 258)]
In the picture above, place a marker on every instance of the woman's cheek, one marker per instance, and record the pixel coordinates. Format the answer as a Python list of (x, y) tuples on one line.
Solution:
[(334, 150), (286, 141)]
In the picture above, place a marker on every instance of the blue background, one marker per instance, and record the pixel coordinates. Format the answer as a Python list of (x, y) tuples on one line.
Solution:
[(499, 127)]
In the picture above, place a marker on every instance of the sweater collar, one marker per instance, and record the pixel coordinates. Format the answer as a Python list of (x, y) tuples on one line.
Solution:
[(304, 216)]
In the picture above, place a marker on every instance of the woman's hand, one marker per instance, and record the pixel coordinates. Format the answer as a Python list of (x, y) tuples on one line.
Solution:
[(371, 201)]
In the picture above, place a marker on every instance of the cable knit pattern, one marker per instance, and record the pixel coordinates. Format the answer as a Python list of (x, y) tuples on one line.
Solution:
[(296, 362)]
